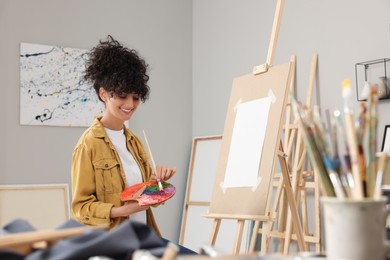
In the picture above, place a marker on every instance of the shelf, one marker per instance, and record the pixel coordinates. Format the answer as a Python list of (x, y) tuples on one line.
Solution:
[(372, 72)]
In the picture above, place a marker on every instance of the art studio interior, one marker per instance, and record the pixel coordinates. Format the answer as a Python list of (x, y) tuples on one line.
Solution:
[(260, 129)]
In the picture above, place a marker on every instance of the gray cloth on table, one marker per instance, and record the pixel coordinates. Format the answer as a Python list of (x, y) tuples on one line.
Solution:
[(120, 243)]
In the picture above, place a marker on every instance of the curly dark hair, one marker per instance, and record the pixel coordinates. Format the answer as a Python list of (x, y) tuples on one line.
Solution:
[(117, 69)]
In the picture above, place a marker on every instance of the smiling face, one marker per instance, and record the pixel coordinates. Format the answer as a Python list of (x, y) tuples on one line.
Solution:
[(118, 108)]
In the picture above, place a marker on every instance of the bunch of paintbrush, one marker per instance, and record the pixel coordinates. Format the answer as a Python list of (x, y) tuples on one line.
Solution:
[(355, 174)]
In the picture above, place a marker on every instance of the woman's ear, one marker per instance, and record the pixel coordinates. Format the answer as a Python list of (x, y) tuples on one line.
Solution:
[(102, 94)]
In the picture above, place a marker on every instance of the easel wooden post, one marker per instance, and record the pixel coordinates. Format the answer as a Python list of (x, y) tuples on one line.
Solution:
[(289, 134), (297, 168), (293, 138), (257, 218)]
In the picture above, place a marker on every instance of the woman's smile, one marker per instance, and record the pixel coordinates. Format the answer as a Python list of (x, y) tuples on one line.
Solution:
[(126, 110)]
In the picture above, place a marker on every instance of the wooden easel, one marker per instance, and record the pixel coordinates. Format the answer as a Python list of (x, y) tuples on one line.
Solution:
[(201, 169), (299, 175), (295, 163), (257, 218)]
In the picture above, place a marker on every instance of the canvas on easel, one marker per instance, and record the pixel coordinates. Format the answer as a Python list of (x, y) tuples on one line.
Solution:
[(233, 194), (234, 197)]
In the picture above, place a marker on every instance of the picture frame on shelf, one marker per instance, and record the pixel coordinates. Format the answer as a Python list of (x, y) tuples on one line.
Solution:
[(386, 139)]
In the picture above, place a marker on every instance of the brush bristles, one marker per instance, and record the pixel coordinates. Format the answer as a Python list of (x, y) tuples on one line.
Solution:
[(346, 87), (346, 83)]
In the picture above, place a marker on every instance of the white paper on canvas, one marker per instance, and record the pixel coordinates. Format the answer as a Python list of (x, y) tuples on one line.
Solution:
[(247, 143)]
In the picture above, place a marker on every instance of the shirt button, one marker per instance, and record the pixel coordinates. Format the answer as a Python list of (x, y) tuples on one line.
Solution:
[(106, 165)]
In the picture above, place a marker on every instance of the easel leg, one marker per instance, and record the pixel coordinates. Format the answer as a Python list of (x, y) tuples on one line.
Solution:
[(255, 233), (317, 213), (282, 220), (265, 237), (305, 219), (237, 242), (293, 205), (214, 232)]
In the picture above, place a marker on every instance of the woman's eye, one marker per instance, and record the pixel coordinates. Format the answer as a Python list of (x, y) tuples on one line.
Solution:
[(121, 96)]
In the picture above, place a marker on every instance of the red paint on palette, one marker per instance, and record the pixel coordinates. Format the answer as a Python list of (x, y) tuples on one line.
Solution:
[(148, 193)]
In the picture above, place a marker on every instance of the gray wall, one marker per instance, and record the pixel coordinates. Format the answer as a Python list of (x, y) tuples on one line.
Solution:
[(159, 30), (230, 37)]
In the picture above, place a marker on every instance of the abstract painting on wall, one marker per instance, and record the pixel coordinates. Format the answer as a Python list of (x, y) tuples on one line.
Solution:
[(52, 87)]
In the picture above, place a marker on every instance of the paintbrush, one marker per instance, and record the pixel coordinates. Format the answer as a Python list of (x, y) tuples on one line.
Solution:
[(346, 171), (357, 191), (343, 167), (379, 176), (323, 147), (334, 143), (372, 123), (312, 149), (360, 130), (153, 163)]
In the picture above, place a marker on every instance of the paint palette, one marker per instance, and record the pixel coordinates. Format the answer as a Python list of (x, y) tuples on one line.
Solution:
[(148, 193)]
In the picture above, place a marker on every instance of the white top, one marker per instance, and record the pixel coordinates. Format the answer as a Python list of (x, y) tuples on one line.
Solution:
[(130, 166)]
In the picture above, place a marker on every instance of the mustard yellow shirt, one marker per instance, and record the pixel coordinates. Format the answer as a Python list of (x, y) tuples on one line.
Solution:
[(98, 178)]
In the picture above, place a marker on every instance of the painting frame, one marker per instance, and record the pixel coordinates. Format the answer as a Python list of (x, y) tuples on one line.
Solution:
[(53, 89), (386, 139), (35, 197), (195, 228)]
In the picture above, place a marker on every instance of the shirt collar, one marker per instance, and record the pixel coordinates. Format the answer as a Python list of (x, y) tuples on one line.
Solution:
[(98, 130)]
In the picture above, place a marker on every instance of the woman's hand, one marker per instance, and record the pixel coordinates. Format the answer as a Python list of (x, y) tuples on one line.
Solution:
[(129, 208), (163, 173)]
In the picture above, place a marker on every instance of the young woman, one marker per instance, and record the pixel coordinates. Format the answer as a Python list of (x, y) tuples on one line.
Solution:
[(109, 157)]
